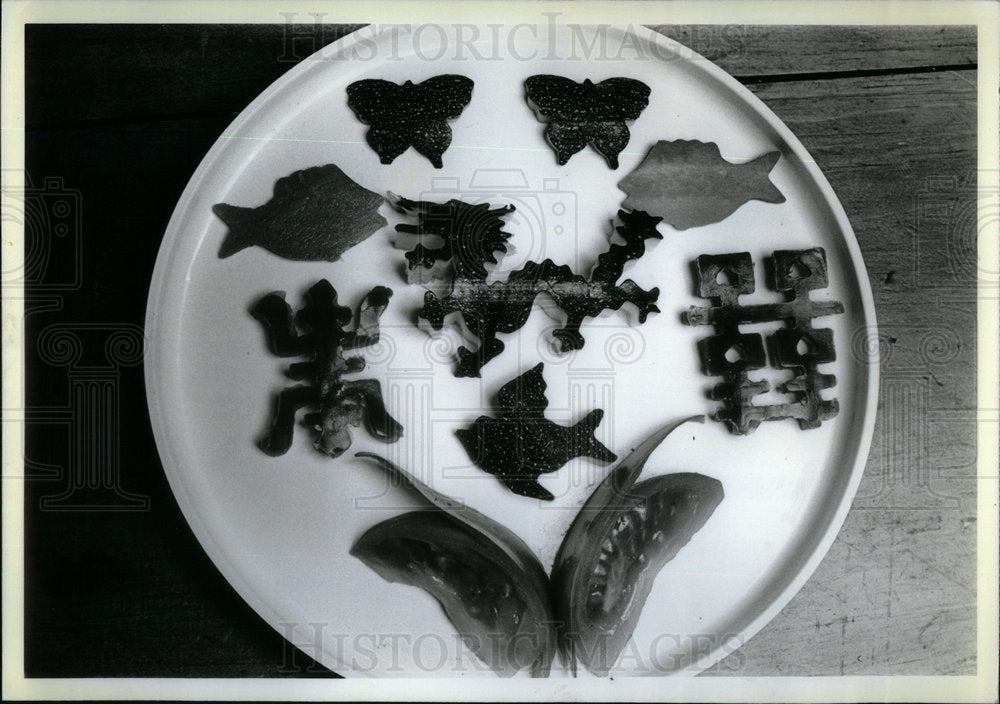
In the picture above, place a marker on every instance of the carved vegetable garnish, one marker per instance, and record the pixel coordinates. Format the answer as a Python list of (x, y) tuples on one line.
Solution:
[(315, 214), (588, 112), (520, 444), (472, 236), (489, 583), (339, 403), (800, 348), (620, 540), (689, 184), (495, 591), (410, 114)]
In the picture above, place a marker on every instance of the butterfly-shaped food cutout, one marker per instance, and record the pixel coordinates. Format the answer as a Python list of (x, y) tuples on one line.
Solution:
[(411, 114), (586, 113), (688, 183)]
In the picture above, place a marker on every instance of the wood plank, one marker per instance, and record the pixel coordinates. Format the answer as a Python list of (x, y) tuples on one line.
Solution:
[(754, 51), (896, 592), (111, 72)]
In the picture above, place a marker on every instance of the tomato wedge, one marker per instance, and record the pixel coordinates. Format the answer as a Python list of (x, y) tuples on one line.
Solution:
[(623, 536), (491, 586)]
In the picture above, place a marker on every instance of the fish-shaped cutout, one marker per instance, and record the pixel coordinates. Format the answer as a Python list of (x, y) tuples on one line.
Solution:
[(522, 444), (689, 184), (585, 113), (315, 214), (401, 116)]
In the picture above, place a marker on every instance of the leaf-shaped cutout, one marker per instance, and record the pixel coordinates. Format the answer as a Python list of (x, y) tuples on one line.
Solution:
[(315, 214), (489, 583), (689, 184), (609, 558)]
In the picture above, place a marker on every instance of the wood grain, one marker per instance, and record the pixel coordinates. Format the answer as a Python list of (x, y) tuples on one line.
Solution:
[(896, 592), (124, 114), (757, 51), (220, 68)]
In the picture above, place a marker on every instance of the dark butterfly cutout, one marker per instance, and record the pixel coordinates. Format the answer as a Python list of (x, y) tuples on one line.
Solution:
[(401, 116), (586, 113)]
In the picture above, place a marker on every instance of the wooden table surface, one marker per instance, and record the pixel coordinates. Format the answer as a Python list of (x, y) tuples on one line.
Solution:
[(119, 118)]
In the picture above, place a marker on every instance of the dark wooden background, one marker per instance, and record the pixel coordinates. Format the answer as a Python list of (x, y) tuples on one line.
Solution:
[(120, 117)]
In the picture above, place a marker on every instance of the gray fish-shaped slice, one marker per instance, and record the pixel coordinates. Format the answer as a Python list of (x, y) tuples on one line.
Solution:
[(689, 184), (315, 214)]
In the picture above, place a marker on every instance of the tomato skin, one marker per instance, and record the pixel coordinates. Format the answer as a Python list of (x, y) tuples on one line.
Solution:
[(496, 593), (623, 536), (482, 591), (489, 583)]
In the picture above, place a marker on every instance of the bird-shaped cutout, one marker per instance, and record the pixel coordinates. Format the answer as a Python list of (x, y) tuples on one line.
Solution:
[(411, 114), (521, 444), (586, 113), (689, 184)]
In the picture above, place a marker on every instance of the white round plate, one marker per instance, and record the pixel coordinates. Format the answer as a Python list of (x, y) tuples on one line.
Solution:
[(280, 528)]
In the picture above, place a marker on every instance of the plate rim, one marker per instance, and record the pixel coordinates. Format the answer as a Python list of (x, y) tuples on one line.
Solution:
[(168, 252)]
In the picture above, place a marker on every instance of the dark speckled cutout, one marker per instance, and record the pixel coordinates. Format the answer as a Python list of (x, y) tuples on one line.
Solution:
[(585, 113), (520, 443), (315, 214), (472, 236), (409, 115), (337, 403)]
